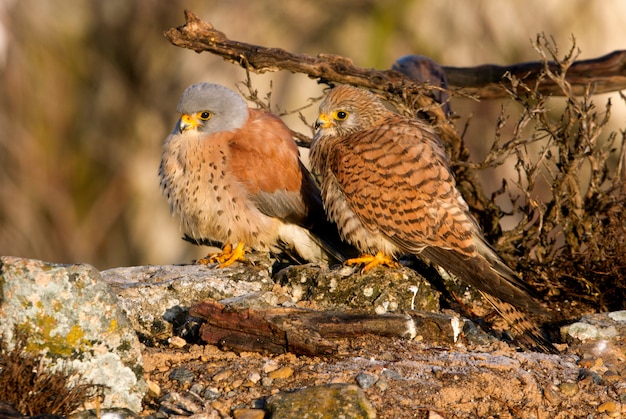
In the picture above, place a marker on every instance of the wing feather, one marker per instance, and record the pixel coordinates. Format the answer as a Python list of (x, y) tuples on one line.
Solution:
[(399, 168)]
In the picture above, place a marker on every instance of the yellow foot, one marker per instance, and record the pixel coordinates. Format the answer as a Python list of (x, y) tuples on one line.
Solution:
[(227, 256), (372, 261)]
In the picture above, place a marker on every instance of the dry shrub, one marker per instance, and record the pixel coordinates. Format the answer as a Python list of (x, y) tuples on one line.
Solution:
[(33, 389), (574, 243)]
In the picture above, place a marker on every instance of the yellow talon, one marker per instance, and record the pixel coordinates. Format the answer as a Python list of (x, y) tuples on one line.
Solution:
[(227, 256), (371, 261)]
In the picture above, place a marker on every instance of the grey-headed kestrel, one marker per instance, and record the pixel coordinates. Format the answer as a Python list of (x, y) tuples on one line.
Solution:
[(388, 185), (232, 175)]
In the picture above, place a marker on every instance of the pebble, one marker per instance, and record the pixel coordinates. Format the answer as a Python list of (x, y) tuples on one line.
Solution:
[(568, 389), (181, 404), (182, 375), (154, 389), (196, 388), (610, 408), (221, 407), (365, 380), (392, 374), (177, 342), (284, 372), (328, 401), (211, 394), (254, 377), (222, 375), (269, 366), (248, 414)]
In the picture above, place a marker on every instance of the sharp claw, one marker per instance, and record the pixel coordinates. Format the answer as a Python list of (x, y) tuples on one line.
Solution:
[(226, 257), (372, 261)]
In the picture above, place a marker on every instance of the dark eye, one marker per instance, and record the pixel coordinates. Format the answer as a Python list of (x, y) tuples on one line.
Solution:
[(341, 115), (205, 115)]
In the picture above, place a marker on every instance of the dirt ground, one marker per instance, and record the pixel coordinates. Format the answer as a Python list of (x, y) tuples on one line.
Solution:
[(401, 379)]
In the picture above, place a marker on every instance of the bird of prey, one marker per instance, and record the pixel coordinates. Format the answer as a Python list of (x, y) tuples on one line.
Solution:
[(232, 175), (388, 185)]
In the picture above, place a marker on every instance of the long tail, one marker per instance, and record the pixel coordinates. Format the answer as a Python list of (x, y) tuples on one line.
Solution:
[(528, 333), (502, 287)]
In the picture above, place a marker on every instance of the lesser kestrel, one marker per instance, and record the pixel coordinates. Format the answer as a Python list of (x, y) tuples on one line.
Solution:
[(388, 185), (232, 175)]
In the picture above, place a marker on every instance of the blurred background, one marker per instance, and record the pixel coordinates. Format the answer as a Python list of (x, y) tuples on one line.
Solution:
[(89, 88)]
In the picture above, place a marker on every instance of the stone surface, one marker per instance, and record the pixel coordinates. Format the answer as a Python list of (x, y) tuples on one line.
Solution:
[(377, 291), (70, 316), (156, 298), (320, 402)]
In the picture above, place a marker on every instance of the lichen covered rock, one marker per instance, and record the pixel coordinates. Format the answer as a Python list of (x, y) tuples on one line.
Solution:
[(71, 318)]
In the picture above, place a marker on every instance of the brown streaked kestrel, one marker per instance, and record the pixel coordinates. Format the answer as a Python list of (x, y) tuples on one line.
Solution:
[(232, 175), (387, 184)]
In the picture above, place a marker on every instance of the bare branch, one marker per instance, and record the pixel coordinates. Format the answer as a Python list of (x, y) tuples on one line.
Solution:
[(605, 74)]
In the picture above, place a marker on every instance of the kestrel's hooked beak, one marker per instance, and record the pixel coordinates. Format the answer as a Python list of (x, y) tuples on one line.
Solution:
[(323, 121), (187, 121)]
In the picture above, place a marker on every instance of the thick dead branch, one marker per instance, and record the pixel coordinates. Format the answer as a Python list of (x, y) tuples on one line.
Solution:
[(308, 332), (202, 36), (607, 73)]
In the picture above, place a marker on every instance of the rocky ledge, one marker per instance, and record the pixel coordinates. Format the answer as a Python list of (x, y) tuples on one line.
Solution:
[(306, 341)]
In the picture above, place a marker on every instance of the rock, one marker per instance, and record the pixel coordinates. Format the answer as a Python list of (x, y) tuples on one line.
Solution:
[(154, 390), (598, 326), (182, 375), (113, 413), (71, 318), (281, 373), (248, 414), (365, 380), (379, 290), (156, 298), (569, 389), (329, 401)]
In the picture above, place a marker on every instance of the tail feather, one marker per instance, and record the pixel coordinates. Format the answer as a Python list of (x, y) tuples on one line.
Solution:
[(528, 334), (501, 287), (483, 275)]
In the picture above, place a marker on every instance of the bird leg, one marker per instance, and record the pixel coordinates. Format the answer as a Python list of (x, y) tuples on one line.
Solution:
[(371, 261), (227, 256)]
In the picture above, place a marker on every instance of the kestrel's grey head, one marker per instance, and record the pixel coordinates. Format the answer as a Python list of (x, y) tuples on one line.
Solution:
[(210, 108)]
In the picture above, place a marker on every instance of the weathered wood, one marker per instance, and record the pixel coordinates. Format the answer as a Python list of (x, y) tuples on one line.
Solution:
[(607, 73), (308, 332)]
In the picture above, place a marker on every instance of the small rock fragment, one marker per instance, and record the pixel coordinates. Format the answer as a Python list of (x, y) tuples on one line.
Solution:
[(222, 375), (333, 401), (365, 380), (211, 394), (177, 342), (269, 366), (254, 377), (154, 389), (284, 372), (248, 414), (610, 408), (569, 389), (182, 375)]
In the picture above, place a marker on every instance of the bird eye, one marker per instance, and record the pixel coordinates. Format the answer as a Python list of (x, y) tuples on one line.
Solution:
[(205, 115), (341, 115)]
